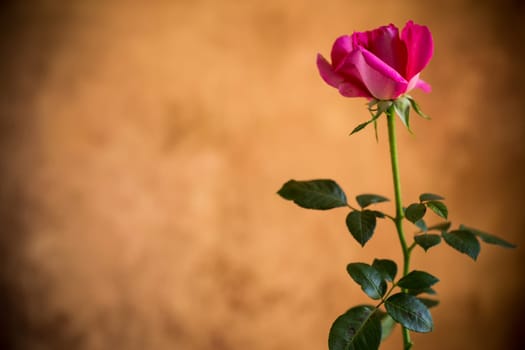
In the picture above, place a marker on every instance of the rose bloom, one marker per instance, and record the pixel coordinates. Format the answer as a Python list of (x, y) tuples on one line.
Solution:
[(379, 64)]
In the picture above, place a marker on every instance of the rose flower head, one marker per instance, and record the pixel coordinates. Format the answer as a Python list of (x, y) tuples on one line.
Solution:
[(379, 64)]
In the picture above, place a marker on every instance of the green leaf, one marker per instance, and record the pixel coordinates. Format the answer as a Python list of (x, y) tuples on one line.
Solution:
[(439, 208), (427, 241), (314, 194), (488, 238), (361, 225), (402, 108), (429, 303), (425, 197), (421, 291), (463, 241), (415, 212), (421, 224), (416, 108), (410, 312), (417, 280), (364, 200), (357, 329), (378, 214), (387, 268), (387, 325), (443, 227), (370, 280)]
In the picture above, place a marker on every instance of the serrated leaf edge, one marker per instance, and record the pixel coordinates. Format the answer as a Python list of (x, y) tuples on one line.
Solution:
[(430, 327), (379, 292)]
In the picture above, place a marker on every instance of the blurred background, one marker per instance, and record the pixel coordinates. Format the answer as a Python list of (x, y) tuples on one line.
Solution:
[(142, 144)]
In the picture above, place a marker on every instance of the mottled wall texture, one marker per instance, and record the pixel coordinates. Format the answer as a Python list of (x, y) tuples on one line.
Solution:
[(142, 143)]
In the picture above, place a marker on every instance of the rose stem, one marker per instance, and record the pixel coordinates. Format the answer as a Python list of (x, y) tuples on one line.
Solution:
[(391, 120)]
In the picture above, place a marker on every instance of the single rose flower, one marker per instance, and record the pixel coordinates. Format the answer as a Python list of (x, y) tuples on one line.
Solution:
[(379, 64)]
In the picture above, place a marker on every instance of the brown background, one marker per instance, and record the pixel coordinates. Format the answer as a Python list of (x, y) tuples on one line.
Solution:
[(142, 144)]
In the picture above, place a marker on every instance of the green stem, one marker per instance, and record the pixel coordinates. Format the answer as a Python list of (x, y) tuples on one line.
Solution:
[(398, 220)]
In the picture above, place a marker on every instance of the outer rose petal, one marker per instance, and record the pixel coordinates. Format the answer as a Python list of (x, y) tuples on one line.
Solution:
[(415, 82), (352, 90), (354, 84), (341, 48), (327, 73), (423, 85), (420, 47), (380, 79), (412, 82), (348, 85)]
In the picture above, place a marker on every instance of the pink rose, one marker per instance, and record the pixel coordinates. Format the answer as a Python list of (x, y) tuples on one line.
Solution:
[(379, 64)]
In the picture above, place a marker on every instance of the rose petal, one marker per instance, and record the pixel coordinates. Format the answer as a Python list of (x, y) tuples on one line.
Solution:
[(347, 82), (383, 82), (419, 45), (412, 82), (423, 85), (341, 48), (327, 72), (351, 90), (384, 42), (353, 83)]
